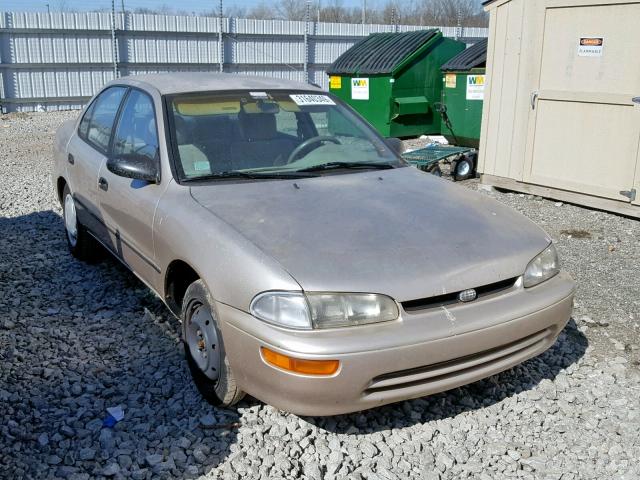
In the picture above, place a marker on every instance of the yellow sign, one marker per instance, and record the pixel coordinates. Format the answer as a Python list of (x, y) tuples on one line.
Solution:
[(335, 83), (450, 80)]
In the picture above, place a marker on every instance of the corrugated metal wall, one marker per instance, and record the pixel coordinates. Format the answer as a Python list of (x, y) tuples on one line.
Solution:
[(58, 60)]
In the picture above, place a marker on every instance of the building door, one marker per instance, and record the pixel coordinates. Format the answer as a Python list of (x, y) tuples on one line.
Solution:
[(586, 126)]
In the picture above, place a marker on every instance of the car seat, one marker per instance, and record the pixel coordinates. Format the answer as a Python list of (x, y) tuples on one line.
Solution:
[(261, 144)]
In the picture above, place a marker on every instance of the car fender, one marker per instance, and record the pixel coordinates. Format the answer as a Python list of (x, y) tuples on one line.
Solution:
[(232, 267)]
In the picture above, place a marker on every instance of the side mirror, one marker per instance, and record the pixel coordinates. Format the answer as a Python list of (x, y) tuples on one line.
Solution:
[(396, 145), (135, 166)]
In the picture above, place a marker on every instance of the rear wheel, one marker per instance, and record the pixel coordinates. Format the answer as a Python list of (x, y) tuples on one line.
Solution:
[(204, 349), (81, 244)]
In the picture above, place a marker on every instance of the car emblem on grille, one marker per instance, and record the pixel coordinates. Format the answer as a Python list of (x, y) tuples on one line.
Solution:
[(467, 295)]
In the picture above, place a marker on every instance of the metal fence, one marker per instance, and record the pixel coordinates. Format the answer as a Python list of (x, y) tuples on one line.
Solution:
[(51, 61)]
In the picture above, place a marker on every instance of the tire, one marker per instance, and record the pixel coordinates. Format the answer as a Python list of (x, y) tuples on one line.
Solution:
[(464, 168), (452, 169), (204, 348), (436, 171), (80, 242)]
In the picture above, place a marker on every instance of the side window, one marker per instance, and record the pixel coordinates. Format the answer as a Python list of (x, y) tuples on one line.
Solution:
[(97, 123), (287, 123), (340, 126), (136, 133), (320, 120), (83, 130)]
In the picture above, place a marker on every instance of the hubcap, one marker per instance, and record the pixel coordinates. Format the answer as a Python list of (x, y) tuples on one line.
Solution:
[(463, 169), (202, 340), (70, 220)]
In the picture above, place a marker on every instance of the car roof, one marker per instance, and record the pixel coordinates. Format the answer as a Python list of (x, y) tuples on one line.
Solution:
[(170, 83)]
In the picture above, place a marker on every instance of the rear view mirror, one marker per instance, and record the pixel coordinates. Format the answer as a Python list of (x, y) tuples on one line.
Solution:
[(396, 145), (135, 166)]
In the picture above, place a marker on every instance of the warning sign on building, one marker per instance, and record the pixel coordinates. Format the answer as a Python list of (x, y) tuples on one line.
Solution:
[(590, 47)]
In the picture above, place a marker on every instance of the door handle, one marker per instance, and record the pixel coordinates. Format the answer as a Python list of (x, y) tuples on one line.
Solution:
[(635, 99), (103, 184), (534, 97), (70, 159)]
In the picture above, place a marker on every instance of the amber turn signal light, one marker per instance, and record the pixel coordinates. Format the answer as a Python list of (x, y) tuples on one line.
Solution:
[(299, 365)]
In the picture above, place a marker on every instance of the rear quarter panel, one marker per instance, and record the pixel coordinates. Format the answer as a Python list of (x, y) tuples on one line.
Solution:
[(63, 134)]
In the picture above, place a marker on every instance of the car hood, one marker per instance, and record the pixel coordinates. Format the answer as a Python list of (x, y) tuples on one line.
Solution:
[(400, 232)]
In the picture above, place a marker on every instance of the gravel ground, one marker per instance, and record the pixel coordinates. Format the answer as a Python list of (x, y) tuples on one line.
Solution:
[(76, 339)]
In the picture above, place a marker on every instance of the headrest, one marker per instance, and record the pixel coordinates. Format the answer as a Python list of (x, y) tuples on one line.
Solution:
[(258, 126)]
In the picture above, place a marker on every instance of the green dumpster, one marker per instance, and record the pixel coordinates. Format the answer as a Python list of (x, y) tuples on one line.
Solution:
[(463, 95), (394, 80)]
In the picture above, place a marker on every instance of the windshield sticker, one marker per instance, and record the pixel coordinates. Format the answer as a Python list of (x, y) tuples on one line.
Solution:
[(305, 100), (202, 166), (258, 94)]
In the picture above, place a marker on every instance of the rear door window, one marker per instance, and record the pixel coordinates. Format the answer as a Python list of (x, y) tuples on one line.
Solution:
[(83, 130), (97, 124)]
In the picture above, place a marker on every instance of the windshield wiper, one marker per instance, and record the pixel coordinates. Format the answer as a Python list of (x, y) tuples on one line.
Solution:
[(249, 175), (348, 165)]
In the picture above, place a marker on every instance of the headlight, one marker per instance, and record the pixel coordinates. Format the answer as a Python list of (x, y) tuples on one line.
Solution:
[(282, 308), (542, 267), (347, 309), (323, 310)]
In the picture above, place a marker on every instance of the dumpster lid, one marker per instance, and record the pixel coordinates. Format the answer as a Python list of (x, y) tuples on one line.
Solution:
[(380, 53), (473, 57)]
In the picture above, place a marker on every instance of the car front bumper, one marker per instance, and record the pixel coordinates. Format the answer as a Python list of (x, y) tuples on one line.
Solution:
[(420, 354)]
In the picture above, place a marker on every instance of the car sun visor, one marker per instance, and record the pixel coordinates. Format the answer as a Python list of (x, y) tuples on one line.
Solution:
[(201, 107)]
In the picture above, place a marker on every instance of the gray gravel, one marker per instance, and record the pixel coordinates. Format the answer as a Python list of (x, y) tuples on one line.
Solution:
[(76, 339)]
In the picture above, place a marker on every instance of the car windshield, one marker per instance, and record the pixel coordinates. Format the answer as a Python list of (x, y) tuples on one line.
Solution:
[(270, 134)]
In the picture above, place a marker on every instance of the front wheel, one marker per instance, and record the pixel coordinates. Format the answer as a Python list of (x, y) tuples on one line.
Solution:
[(204, 349)]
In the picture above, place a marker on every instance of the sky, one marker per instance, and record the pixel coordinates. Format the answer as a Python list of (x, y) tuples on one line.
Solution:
[(186, 5)]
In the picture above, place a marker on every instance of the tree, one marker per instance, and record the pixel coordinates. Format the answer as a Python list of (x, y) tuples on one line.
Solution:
[(404, 12), (291, 9), (261, 11)]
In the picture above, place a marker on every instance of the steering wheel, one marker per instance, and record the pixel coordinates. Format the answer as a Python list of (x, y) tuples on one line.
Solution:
[(311, 141)]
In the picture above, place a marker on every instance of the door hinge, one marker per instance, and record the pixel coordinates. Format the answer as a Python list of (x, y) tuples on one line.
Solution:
[(630, 194)]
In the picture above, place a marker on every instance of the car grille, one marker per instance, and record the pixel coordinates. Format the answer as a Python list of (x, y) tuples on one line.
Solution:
[(515, 351), (452, 298)]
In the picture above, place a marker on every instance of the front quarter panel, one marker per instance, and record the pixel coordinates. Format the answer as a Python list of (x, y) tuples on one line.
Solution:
[(233, 268)]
